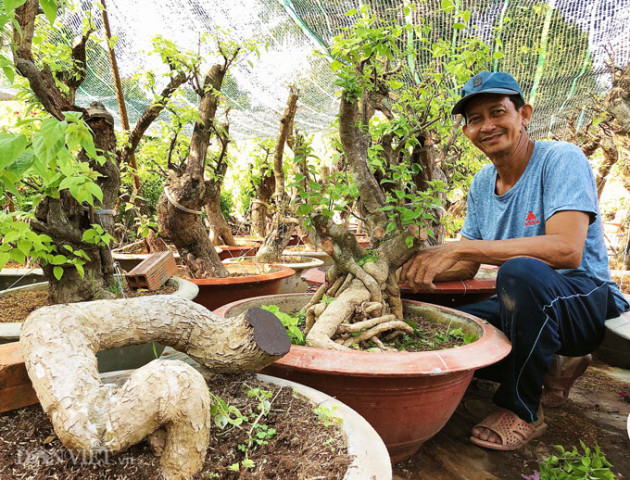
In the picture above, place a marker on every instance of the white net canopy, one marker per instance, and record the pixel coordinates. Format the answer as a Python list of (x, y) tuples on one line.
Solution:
[(559, 51)]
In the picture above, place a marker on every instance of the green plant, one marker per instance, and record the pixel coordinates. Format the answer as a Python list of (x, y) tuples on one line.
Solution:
[(258, 433), (589, 464), (291, 322)]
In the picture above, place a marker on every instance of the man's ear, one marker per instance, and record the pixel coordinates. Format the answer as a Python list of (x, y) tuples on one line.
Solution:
[(465, 129), (526, 112)]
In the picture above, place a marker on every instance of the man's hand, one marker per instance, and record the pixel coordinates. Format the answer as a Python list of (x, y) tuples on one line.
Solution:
[(421, 269)]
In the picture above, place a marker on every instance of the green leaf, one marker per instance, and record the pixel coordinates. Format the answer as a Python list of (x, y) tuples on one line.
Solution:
[(4, 258), (22, 164), (50, 9), (6, 64), (447, 5), (409, 241), (498, 55), (459, 26), (351, 12), (11, 147), (58, 260), (80, 269), (58, 272), (395, 84), (234, 467), (335, 65), (13, 4)]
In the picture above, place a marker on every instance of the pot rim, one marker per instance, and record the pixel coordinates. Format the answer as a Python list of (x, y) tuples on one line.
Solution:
[(281, 273), (312, 263), (491, 347), (316, 277)]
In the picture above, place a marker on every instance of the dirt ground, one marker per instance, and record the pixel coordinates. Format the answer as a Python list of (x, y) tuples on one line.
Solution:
[(303, 446), (15, 307), (595, 413)]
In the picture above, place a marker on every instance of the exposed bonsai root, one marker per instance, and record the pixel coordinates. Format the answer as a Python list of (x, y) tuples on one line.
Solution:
[(372, 308), (346, 283), (365, 324), (317, 296), (59, 345), (339, 311), (381, 327), (335, 287)]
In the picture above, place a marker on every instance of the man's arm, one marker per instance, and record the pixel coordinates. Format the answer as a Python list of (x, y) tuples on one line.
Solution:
[(560, 247)]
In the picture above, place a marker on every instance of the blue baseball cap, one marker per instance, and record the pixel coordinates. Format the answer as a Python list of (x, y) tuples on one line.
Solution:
[(486, 82)]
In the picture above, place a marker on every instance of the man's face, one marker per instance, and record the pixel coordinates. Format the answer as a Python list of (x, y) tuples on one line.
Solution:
[(494, 125)]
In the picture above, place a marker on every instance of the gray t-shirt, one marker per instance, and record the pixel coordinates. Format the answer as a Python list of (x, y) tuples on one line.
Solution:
[(557, 178)]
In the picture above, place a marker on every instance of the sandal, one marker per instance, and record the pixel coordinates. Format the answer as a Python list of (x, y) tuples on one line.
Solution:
[(512, 430), (564, 371)]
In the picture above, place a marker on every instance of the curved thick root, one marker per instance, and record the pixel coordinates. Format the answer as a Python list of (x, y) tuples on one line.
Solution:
[(59, 345)]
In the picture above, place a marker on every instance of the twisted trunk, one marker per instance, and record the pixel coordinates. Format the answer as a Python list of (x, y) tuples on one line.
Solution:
[(167, 401), (179, 206), (281, 225), (220, 231), (63, 218), (261, 207)]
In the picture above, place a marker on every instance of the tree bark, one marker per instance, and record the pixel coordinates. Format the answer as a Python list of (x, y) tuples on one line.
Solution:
[(63, 218), (281, 226), (261, 207), (188, 191), (220, 231), (165, 400)]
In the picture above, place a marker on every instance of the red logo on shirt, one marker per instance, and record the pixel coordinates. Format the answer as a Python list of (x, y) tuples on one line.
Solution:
[(531, 219)]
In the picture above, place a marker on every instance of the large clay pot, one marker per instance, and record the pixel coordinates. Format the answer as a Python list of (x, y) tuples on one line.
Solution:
[(261, 280), (298, 264), (448, 294), (240, 250), (300, 250), (407, 397)]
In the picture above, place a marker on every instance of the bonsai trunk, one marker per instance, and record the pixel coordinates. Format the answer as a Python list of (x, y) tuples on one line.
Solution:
[(166, 401), (179, 206), (261, 207), (220, 231), (282, 226)]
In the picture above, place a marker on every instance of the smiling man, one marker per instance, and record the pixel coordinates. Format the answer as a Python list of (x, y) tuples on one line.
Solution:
[(534, 212)]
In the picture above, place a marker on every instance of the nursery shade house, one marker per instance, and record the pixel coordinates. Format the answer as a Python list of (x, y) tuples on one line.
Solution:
[(559, 50)]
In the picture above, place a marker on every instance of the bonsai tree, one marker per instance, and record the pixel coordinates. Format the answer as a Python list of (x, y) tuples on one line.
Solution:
[(68, 158), (396, 160), (261, 187), (187, 190), (282, 225)]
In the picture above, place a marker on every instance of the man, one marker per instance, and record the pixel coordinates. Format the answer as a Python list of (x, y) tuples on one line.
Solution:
[(534, 212)]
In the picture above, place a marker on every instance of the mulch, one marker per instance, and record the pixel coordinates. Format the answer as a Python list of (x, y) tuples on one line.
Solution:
[(302, 448), (15, 307)]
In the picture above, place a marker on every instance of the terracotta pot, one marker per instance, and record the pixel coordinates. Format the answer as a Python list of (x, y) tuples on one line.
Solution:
[(299, 250), (448, 294), (407, 397), (298, 264), (263, 280), (242, 250)]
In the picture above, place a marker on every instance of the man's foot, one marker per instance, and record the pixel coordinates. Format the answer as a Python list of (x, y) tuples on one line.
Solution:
[(564, 371), (504, 430)]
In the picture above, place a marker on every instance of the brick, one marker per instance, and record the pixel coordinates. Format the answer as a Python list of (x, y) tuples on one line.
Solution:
[(16, 390), (153, 272)]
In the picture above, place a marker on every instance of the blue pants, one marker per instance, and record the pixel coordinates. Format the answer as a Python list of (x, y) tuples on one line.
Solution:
[(543, 313)]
